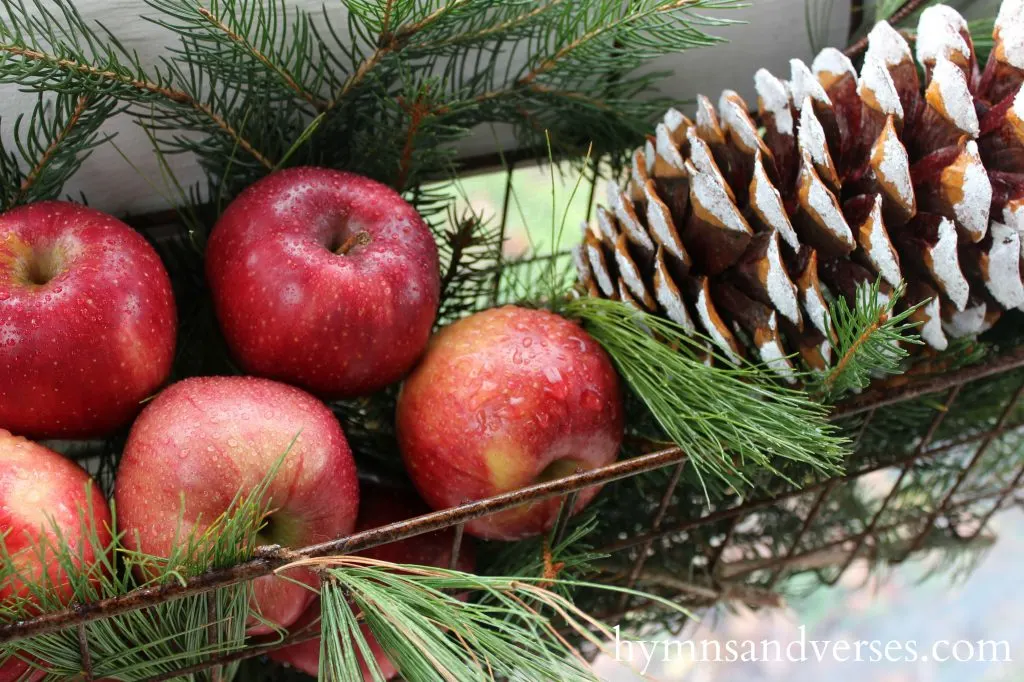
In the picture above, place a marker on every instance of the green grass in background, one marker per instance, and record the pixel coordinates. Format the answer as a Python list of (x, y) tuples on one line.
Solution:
[(532, 219)]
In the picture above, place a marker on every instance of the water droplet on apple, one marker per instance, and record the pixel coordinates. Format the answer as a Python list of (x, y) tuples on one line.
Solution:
[(580, 343), (517, 357), (527, 342), (592, 401), (552, 374), (232, 443), (488, 386)]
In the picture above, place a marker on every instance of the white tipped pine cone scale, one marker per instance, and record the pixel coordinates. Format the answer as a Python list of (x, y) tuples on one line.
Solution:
[(741, 227)]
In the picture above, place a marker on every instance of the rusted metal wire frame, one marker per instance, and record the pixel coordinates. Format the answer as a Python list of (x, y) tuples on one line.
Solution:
[(268, 559)]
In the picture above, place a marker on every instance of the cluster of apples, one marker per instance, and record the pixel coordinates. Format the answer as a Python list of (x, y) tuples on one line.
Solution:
[(326, 286)]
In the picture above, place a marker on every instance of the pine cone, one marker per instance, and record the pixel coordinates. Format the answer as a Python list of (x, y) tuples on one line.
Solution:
[(744, 226)]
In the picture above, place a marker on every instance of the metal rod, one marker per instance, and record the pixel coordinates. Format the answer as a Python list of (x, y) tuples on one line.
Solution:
[(774, 561), (213, 632), (761, 503), (716, 558), (506, 200), (659, 516), (456, 546), (1011, 487), (962, 476), (863, 429), (83, 649), (812, 516), (881, 397), (564, 515), (933, 427)]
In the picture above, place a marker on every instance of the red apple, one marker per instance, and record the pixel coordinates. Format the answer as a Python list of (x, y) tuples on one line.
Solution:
[(87, 321), (43, 494), (206, 439), (504, 399), (326, 280), (382, 506)]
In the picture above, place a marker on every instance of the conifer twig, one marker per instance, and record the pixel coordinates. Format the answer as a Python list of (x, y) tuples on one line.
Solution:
[(33, 173), (285, 75), (171, 94), (869, 340)]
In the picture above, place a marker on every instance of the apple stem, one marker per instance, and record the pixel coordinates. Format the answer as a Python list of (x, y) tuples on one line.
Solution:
[(358, 239)]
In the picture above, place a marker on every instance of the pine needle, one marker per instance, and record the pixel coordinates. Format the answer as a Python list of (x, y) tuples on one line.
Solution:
[(732, 422), (451, 626)]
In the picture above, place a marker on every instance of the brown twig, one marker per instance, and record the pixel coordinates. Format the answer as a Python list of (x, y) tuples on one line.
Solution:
[(908, 8), (460, 241), (285, 75), (419, 110), (389, 42), (30, 179), (840, 367), (172, 94), (554, 59)]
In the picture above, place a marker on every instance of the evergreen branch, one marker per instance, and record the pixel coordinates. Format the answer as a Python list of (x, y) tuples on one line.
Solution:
[(607, 40), (868, 340), (44, 49), (114, 78), (501, 29), (732, 422), (389, 41), (51, 149), (60, 134), (281, 71)]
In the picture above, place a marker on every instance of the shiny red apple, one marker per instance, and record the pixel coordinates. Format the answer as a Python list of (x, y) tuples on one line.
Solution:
[(44, 496), (382, 506), (87, 321), (503, 399), (204, 440), (324, 279)]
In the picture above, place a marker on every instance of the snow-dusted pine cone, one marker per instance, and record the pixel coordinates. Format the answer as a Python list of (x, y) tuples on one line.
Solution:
[(743, 226)]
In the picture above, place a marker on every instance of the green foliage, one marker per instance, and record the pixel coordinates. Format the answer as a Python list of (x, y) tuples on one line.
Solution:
[(250, 86), (51, 144), (422, 618), (731, 421), (156, 640), (869, 340)]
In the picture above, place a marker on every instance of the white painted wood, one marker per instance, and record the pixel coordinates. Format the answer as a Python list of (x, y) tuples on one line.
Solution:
[(774, 33)]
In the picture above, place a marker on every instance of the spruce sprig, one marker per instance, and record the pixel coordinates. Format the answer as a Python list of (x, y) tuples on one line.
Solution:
[(50, 145), (731, 421), (869, 340)]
